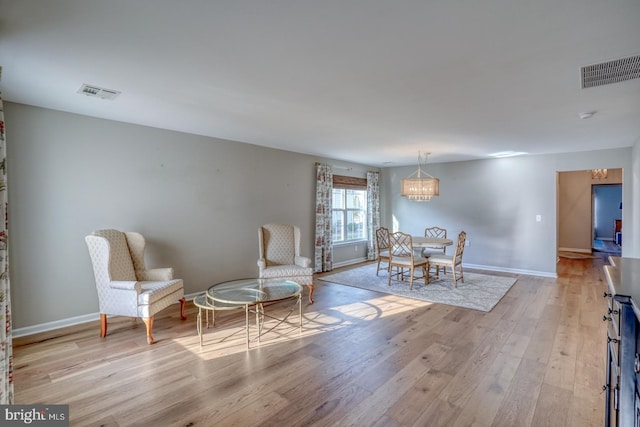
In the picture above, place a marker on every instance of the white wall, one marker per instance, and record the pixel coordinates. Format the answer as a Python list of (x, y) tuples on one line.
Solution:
[(496, 202)]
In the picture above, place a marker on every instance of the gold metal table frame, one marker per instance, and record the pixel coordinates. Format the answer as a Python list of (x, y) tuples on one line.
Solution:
[(253, 295)]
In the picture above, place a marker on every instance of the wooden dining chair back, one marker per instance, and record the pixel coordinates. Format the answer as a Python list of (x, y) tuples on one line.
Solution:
[(439, 233), (452, 261), (382, 243), (401, 256)]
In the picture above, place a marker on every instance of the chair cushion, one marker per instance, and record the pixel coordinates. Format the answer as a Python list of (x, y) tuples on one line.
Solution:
[(417, 262), (440, 258), (155, 291), (279, 271)]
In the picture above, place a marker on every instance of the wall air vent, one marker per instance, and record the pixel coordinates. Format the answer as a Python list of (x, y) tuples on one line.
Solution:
[(98, 92), (609, 72)]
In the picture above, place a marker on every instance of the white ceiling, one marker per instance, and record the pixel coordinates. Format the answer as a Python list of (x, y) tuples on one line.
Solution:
[(368, 81)]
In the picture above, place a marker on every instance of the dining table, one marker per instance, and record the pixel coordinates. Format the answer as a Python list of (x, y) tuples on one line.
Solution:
[(430, 242)]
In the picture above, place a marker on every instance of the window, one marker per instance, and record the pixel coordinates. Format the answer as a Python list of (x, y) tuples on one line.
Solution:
[(349, 216)]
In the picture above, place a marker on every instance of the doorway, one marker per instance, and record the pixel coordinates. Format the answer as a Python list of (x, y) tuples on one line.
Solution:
[(576, 230), (607, 218)]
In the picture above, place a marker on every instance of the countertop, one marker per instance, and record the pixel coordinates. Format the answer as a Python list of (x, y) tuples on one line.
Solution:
[(623, 277)]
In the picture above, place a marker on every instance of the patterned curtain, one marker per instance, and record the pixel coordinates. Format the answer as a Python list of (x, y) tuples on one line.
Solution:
[(6, 345), (373, 213), (324, 192)]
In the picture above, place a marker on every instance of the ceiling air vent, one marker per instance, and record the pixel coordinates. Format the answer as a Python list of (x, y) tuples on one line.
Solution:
[(98, 92), (609, 72)]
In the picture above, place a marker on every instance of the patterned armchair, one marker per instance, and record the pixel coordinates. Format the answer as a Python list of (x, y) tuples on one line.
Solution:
[(125, 286), (279, 247)]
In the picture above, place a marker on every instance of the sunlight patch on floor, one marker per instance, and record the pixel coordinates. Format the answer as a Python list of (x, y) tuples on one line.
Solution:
[(220, 341), (231, 339)]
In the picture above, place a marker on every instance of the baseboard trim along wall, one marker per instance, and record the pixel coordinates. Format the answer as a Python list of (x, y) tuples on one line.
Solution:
[(349, 262), (72, 321)]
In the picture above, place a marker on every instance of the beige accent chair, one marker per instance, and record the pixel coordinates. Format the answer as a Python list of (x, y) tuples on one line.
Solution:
[(382, 242), (452, 261), (279, 246), (401, 256), (125, 286)]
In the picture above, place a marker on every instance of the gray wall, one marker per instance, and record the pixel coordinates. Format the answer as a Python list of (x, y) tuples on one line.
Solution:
[(199, 202), (496, 202)]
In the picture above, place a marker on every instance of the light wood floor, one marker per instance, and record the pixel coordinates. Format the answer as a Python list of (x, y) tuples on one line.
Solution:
[(363, 359)]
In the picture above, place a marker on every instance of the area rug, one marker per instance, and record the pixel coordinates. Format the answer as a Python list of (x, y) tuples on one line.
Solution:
[(606, 246), (478, 292)]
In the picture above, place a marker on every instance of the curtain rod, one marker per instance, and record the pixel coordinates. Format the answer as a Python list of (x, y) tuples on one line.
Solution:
[(347, 168)]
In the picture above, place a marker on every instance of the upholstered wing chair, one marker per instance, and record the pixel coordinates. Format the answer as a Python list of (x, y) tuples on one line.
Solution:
[(279, 247), (125, 286)]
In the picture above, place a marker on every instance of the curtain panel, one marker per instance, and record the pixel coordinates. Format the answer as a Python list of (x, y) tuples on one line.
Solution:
[(323, 246), (6, 345), (373, 213)]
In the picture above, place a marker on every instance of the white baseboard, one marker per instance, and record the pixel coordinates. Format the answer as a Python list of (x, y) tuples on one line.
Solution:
[(57, 324), (72, 321), (350, 262), (511, 270)]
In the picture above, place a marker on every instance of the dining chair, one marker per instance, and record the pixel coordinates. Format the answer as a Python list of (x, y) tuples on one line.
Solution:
[(401, 256), (439, 233), (452, 261), (382, 243)]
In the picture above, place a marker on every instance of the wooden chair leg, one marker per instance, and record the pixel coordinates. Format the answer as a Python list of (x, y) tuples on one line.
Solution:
[(182, 303), (378, 269), (149, 322), (103, 325), (310, 294)]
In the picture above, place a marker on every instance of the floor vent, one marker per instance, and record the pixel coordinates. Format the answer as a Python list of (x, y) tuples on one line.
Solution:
[(609, 72), (98, 92)]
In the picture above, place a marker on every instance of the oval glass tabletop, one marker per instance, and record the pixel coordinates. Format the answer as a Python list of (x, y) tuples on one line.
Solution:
[(253, 291)]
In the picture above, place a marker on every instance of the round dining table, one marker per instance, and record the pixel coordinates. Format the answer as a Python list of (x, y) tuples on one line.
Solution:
[(430, 242)]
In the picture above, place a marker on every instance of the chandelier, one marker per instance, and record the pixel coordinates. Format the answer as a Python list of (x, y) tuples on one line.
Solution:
[(599, 173), (420, 189)]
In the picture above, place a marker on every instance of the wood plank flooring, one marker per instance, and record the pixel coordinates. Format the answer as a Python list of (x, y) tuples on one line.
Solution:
[(363, 359)]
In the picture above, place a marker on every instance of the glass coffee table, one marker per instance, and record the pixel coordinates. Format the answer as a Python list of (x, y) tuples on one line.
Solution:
[(253, 295)]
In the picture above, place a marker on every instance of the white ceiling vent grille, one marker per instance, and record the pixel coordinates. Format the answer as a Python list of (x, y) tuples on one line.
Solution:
[(98, 92), (609, 72)]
